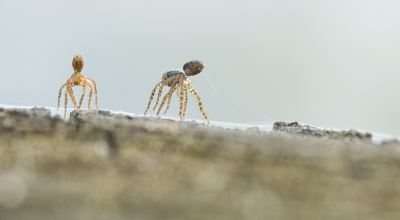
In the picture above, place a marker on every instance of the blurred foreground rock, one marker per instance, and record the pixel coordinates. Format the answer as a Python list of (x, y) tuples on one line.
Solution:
[(109, 166)]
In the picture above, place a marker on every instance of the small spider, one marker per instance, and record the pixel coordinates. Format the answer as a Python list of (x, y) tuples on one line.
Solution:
[(178, 79), (77, 79)]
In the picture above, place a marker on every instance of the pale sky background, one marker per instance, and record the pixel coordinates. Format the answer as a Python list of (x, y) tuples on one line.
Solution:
[(333, 64)]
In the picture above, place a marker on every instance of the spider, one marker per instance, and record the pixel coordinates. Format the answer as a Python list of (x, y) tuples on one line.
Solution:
[(77, 79), (177, 79)]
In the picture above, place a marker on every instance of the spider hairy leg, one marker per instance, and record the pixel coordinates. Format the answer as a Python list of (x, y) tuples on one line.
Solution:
[(181, 101), (83, 94), (158, 96), (95, 89), (193, 91), (165, 98), (173, 88), (177, 91), (59, 95), (71, 93), (186, 99), (162, 84), (152, 96), (90, 93), (66, 101), (176, 84)]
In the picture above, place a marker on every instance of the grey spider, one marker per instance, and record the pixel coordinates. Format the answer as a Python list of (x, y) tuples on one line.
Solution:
[(177, 79)]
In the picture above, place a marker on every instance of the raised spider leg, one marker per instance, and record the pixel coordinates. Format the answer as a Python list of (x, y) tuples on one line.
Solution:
[(66, 101), (186, 99), (181, 101), (95, 90), (83, 94), (193, 91), (71, 93), (152, 95), (59, 95), (171, 90), (90, 93)]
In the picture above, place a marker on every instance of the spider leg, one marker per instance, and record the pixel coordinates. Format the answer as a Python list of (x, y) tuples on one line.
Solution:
[(83, 94), (152, 95), (158, 96), (177, 91), (59, 95), (95, 90), (186, 99), (165, 98), (169, 97), (90, 93), (180, 101), (164, 77), (193, 91), (176, 87), (66, 101), (71, 93)]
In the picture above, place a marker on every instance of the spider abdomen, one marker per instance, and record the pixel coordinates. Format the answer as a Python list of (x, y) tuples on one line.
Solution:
[(193, 67), (77, 63)]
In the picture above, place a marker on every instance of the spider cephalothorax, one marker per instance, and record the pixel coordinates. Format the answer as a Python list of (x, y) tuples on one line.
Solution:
[(77, 79), (177, 79)]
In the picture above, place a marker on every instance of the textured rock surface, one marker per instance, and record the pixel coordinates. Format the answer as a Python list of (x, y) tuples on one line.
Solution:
[(108, 166), (307, 130)]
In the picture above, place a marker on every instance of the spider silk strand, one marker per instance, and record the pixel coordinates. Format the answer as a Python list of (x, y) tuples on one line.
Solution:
[(249, 109)]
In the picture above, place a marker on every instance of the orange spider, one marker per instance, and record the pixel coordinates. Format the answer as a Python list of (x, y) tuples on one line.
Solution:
[(177, 79), (77, 79)]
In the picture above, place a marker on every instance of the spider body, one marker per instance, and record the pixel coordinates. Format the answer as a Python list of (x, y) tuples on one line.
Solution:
[(177, 80), (77, 79)]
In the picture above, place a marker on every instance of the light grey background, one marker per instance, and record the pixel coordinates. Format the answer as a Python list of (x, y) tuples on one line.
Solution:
[(326, 63)]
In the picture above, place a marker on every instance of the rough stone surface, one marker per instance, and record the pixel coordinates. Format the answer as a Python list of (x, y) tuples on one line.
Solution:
[(307, 130), (100, 165)]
